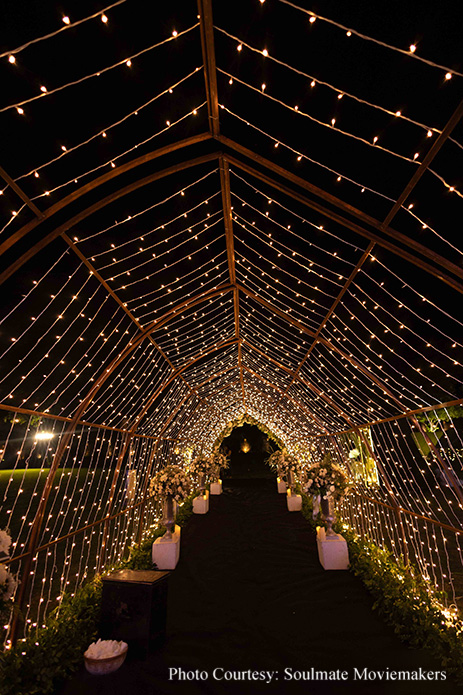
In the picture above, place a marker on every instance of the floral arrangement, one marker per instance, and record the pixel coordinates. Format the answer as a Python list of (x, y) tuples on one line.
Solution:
[(326, 479), (284, 462), (203, 466), (219, 461), (105, 649), (7, 581), (171, 480)]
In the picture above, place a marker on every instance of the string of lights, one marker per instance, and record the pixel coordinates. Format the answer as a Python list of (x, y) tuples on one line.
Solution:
[(411, 52)]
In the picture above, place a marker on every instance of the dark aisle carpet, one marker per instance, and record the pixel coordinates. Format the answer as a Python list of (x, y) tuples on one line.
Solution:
[(249, 593)]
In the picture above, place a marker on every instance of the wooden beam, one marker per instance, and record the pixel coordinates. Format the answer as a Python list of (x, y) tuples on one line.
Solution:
[(92, 185), (433, 151), (61, 418), (83, 214), (348, 224), (14, 186), (206, 25), (407, 511), (394, 210), (227, 214), (406, 414)]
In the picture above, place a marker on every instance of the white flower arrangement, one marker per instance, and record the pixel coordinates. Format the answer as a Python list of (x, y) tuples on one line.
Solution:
[(7, 581), (326, 479), (203, 466), (105, 649), (170, 481), (5, 543), (220, 462), (284, 462)]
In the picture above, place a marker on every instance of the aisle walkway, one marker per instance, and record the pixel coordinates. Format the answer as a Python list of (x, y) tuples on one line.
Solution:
[(249, 593)]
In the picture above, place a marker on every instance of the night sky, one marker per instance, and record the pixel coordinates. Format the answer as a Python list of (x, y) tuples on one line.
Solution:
[(165, 241)]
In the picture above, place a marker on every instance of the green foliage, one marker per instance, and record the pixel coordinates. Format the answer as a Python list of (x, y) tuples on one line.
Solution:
[(403, 598), (48, 655), (20, 418), (442, 414)]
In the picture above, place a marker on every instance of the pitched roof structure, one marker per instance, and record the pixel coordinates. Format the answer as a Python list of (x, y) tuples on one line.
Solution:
[(208, 218)]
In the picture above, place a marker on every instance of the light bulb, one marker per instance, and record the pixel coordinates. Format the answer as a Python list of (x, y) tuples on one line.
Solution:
[(412, 48), (104, 19), (66, 20), (11, 59)]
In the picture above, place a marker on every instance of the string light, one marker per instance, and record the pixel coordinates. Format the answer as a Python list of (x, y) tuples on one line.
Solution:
[(349, 369), (100, 72)]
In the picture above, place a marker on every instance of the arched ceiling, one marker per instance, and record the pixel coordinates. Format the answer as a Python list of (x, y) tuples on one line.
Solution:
[(247, 213)]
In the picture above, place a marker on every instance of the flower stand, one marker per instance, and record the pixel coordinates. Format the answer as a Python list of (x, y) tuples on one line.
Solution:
[(166, 551), (332, 551), (201, 503), (293, 501), (281, 485), (216, 488)]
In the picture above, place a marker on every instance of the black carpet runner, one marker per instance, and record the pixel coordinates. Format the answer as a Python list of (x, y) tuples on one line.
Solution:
[(250, 597)]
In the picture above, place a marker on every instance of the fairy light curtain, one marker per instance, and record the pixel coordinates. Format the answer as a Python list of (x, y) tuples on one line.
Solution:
[(180, 282)]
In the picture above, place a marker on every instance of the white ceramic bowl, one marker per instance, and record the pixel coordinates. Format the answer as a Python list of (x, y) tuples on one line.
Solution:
[(98, 667)]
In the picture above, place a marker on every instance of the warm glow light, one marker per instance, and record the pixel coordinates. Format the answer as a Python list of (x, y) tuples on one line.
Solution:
[(104, 18), (44, 435), (412, 48), (245, 446), (448, 76), (66, 20), (12, 59)]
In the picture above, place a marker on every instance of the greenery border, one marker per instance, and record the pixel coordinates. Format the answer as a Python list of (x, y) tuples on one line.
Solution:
[(49, 655), (403, 598)]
